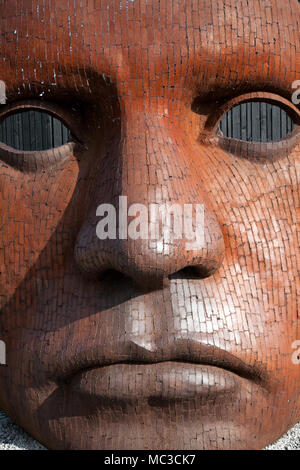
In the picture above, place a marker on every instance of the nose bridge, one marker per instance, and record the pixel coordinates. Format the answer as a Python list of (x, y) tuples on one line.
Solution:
[(152, 168), (152, 159), (154, 164)]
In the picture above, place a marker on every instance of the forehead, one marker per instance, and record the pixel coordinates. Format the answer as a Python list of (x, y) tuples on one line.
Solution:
[(198, 43)]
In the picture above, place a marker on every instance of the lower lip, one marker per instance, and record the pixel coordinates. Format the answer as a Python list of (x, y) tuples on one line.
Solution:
[(165, 381)]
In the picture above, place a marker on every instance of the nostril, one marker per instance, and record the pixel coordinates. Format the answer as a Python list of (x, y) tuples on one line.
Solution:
[(191, 272), (115, 278), (112, 276)]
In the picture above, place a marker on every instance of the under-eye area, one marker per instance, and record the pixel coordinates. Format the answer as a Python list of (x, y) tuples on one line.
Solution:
[(32, 139)]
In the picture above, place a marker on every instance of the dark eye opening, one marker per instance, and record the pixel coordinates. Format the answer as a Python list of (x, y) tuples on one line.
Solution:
[(257, 122), (33, 131)]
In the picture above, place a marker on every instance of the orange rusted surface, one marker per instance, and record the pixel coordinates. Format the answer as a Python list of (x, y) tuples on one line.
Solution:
[(131, 343)]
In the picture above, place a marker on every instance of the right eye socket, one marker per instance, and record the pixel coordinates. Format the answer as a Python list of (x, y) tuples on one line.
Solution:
[(33, 131)]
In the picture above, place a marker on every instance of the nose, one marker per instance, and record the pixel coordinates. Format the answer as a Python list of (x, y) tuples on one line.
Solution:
[(149, 170)]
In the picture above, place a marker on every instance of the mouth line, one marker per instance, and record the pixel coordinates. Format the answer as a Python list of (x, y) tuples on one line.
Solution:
[(241, 370), (141, 351)]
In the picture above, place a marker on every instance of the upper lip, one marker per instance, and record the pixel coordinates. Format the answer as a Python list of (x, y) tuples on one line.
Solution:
[(134, 351)]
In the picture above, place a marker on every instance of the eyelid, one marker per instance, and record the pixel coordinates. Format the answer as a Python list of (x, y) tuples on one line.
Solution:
[(27, 161), (260, 151)]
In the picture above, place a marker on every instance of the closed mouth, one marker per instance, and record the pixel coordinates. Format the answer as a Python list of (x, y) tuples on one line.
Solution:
[(128, 355)]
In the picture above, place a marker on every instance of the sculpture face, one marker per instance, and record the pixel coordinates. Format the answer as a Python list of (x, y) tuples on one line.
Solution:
[(112, 344)]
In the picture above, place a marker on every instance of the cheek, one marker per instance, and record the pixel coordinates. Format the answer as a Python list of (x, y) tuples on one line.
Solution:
[(31, 208), (257, 207)]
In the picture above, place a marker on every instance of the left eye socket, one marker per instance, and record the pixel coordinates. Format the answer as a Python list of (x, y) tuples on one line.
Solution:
[(257, 126), (257, 122)]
